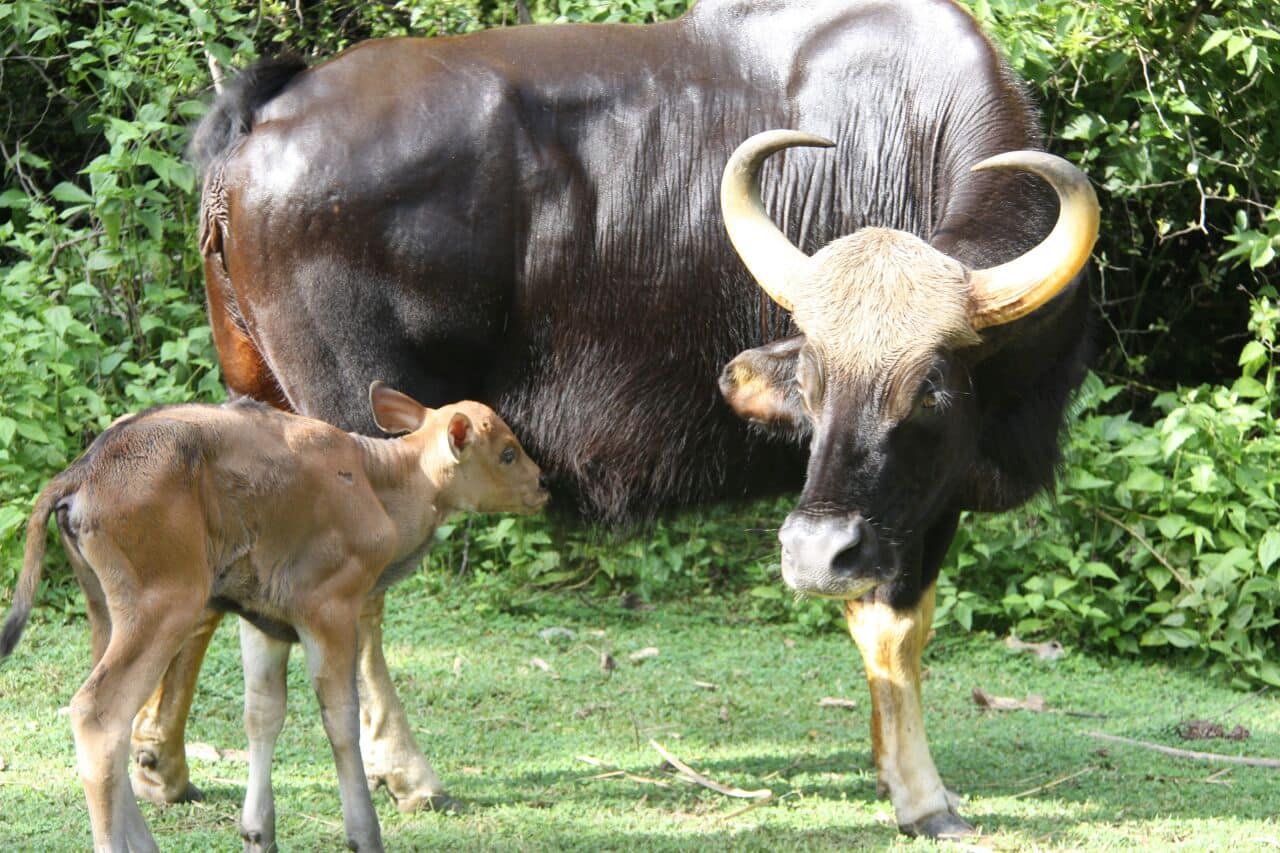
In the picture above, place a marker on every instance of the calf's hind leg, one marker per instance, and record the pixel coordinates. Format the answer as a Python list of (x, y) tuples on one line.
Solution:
[(389, 751), (103, 709), (160, 771)]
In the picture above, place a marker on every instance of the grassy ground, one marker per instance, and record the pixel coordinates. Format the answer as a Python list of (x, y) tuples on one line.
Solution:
[(507, 737)]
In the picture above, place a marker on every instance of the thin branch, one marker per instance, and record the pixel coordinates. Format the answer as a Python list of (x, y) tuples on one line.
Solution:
[(1271, 763), (1145, 544), (762, 801), (614, 772), (698, 779), (66, 244), (1055, 783)]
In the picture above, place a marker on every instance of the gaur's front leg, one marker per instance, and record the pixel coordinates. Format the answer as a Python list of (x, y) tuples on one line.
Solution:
[(160, 772), (391, 755), (891, 643)]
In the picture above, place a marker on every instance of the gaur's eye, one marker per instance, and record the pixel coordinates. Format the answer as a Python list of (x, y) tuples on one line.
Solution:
[(508, 456)]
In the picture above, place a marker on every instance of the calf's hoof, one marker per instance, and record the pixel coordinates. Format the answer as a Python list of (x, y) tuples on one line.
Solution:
[(150, 784), (440, 802), (943, 826), (256, 841)]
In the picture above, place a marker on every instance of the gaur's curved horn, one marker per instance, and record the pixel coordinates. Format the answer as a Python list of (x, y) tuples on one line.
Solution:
[(1014, 289), (766, 251)]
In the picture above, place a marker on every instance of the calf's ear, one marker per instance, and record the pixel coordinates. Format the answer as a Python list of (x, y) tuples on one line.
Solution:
[(393, 412), (460, 435), (760, 385)]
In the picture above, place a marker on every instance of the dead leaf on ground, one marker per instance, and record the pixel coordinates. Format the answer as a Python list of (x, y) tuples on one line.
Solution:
[(544, 666), (1208, 730), (837, 702), (204, 751), (706, 685), (587, 710), (557, 634), (987, 702), (607, 663), (3, 765), (1048, 650), (643, 654), (457, 665)]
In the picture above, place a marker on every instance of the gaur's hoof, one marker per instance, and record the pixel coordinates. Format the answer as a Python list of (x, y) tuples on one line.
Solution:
[(441, 802), (943, 826)]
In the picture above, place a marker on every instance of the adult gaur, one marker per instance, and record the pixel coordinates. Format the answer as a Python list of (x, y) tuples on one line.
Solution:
[(531, 217)]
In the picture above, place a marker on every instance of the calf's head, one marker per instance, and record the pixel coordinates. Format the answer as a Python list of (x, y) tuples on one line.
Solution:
[(879, 381), (467, 450)]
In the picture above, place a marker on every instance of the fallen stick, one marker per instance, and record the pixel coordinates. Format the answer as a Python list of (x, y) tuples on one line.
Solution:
[(614, 772), (755, 804), (1272, 763), (1055, 783), (698, 779)]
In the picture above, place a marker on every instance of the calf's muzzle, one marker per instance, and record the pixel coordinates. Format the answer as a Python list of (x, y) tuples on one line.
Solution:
[(834, 556)]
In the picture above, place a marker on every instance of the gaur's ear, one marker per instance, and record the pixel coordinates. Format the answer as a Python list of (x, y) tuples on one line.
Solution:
[(393, 412), (760, 385), (460, 435)]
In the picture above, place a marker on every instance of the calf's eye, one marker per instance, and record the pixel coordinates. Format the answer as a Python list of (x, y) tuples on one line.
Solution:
[(508, 456)]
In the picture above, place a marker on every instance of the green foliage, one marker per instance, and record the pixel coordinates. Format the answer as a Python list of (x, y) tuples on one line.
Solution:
[(608, 11), (100, 301), (1169, 108), (1162, 536), (732, 550)]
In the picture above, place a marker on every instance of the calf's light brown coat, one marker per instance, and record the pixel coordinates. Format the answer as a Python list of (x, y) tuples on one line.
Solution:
[(283, 519)]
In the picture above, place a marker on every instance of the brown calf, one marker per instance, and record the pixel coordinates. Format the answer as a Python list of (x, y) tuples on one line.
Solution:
[(283, 519)]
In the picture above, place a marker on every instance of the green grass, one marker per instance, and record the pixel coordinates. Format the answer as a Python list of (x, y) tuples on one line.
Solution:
[(506, 737)]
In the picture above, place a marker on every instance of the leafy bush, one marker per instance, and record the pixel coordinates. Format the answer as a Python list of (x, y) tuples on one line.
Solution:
[(1161, 537), (101, 296), (1169, 108)]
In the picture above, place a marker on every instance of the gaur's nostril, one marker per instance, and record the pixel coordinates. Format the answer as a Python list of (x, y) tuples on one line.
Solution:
[(543, 481), (146, 758), (845, 563)]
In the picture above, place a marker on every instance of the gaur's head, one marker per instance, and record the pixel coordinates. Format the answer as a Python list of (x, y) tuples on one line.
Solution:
[(467, 445), (880, 380)]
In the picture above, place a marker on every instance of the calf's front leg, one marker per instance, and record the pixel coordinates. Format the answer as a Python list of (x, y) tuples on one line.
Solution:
[(391, 755), (892, 643), (265, 691), (329, 641)]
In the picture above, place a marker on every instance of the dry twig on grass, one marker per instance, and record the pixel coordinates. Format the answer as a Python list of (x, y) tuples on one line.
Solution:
[(1271, 763), (614, 772), (1055, 783), (986, 701), (697, 778)]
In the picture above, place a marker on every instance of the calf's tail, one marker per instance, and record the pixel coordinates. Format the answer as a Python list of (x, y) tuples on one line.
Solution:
[(33, 558)]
